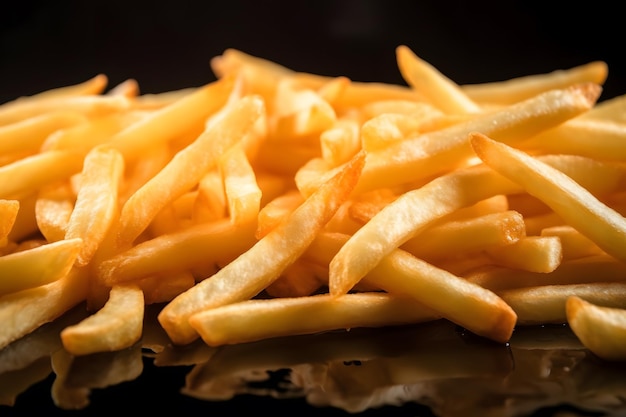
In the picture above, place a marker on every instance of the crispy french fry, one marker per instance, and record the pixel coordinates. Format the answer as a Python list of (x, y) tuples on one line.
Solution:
[(304, 315), (574, 244), (277, 210), (546, 304), (115, 326), (601, 329), (260, 265), (24, 311), (95, 209), (243, 194), (533, 253), (37, 266), (8, 214), (53, 209), (440, 90), (575, 204), (521, 88)]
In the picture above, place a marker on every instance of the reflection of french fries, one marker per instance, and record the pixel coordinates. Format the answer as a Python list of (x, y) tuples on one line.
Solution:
[(269, 183)]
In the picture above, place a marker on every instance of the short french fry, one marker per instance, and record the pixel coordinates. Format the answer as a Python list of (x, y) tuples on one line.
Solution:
[(115, 326), (532, 253), (601, 329), (573, 203), (260, 265)]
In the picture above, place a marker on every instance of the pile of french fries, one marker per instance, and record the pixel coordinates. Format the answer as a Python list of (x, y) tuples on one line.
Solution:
[(271, 202)]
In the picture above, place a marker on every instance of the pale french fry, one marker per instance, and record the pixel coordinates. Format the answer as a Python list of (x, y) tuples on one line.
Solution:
[(115, 326), (24, 311), (260, 265), (439, 89), (546, 304), (186, 169), (175, 119), (243, 194), (340, 142), (601, 329), (304, 315), (575, 204), (610, 110), (533, 253), (37, 266), (33, 172), (521, 88), (96, 206)]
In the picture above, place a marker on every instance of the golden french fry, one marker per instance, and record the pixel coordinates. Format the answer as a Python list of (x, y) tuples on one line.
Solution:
[(28, 135), (8, 214), (276, 210), (31, 173), (253, 320), (574, 244), (92, 86), (199, 245), (601, 329), (260, 265), (440, 90), (575, 204), (299, 279), (53, 208), (37, 266), (533, 253), (340, 142), (186, 169), (95, 209), (243, 194), (521, 88), (172, 120), (546, 304), (454, 238), (24, 311), (115, 326)]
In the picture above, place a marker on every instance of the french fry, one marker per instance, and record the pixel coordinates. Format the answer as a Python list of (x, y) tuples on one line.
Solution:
[(93, 86), (260, 265), (601, 329), (276, 210), (117, 325), (53, 208), (521, 88), (8, 214), (33, 172), (304, 315), (186, 169), (438, 89), (546, 304), (533, 253), (575, 204), (243, 194), (165, 123), (38, 266), (574, 244), (24, 311), (96, 206)]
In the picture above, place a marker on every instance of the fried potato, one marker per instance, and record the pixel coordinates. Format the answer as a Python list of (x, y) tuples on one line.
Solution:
[(601, 329), (115, 326)]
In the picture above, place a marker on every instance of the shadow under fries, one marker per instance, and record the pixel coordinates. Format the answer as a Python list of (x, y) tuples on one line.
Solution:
[(438, 366)]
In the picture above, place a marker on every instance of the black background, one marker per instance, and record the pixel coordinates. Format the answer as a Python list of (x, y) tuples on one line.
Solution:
[(167, 45)]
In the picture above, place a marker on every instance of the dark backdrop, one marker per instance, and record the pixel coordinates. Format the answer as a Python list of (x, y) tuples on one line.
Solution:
[(167, 44)]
